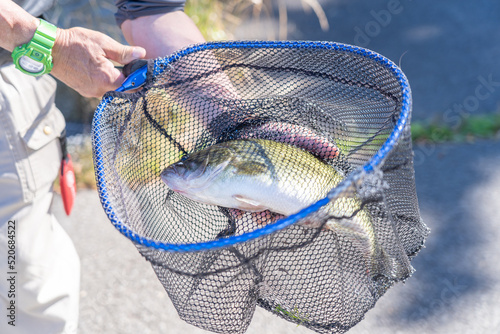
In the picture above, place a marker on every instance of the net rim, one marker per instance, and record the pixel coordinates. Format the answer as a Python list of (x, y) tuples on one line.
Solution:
[(160, 65)]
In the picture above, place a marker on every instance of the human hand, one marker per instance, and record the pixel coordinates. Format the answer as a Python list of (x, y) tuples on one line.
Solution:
[(83, 60)]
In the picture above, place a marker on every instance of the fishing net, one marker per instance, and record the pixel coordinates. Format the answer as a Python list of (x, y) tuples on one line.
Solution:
[(349, 107)]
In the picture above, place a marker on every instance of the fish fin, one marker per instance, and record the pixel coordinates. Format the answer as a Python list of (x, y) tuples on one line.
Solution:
[(381, 262), (249, 204), (349, 227)]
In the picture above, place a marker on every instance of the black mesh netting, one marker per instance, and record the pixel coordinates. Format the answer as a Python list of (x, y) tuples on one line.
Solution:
[(321, 269)]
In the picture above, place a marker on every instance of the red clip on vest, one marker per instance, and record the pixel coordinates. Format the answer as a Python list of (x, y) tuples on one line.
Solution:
[(67, 177)]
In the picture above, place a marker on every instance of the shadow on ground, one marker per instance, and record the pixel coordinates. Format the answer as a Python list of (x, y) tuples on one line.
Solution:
[(449, 268)]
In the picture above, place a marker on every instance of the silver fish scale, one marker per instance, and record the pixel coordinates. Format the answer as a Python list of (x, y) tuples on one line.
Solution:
[(322, 269)]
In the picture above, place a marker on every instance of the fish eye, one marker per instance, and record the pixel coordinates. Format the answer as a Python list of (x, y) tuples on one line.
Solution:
[(179, 167), (180, 164)]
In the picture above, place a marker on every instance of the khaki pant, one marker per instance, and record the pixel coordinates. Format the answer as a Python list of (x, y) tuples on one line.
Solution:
[(46, 266)]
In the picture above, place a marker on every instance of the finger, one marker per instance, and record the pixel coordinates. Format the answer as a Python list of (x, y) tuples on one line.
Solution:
[(107, 78), (124, 54), (119, 78), (132, 53)]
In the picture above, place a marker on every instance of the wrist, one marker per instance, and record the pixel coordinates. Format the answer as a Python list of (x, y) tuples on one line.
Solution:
[(29, 31), (60, 43), (25, 32), (35, 56)]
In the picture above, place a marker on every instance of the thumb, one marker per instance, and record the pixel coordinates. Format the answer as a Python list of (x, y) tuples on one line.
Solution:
[(124, 54)]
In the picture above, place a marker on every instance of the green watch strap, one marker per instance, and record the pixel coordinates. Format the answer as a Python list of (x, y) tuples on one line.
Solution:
[(38, 50), (45, 36)]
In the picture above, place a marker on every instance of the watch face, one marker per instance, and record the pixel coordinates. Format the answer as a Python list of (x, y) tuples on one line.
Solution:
[(31, 65)]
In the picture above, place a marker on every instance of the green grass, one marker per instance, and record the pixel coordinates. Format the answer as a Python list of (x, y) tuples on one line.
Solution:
[(294, 315), (217, 19), (485, 126), (208, 16), (83, 165)]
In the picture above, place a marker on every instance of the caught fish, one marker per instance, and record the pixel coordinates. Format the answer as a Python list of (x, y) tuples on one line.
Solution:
[(296, 135), (257, 174)]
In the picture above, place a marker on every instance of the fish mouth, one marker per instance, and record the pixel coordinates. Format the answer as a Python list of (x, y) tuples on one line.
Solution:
[(182, 192), (176, 182), (172, 185)]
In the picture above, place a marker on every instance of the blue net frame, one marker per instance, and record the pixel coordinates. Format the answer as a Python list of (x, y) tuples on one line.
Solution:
[(162, 63)]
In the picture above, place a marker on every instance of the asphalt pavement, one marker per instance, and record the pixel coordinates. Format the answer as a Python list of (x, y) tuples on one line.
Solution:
[(449, 51)]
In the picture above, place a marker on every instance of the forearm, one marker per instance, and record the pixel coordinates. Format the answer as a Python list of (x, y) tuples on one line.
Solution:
[(81, 57), (162, 34), (17, 25)]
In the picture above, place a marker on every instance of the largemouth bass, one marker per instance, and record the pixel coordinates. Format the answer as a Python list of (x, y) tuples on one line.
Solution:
[(257, 174)]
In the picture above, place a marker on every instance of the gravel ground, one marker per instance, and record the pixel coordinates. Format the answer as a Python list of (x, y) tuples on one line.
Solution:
[(456, 288)]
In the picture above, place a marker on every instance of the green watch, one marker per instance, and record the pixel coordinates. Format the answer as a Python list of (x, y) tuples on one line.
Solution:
[(35, 57)]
